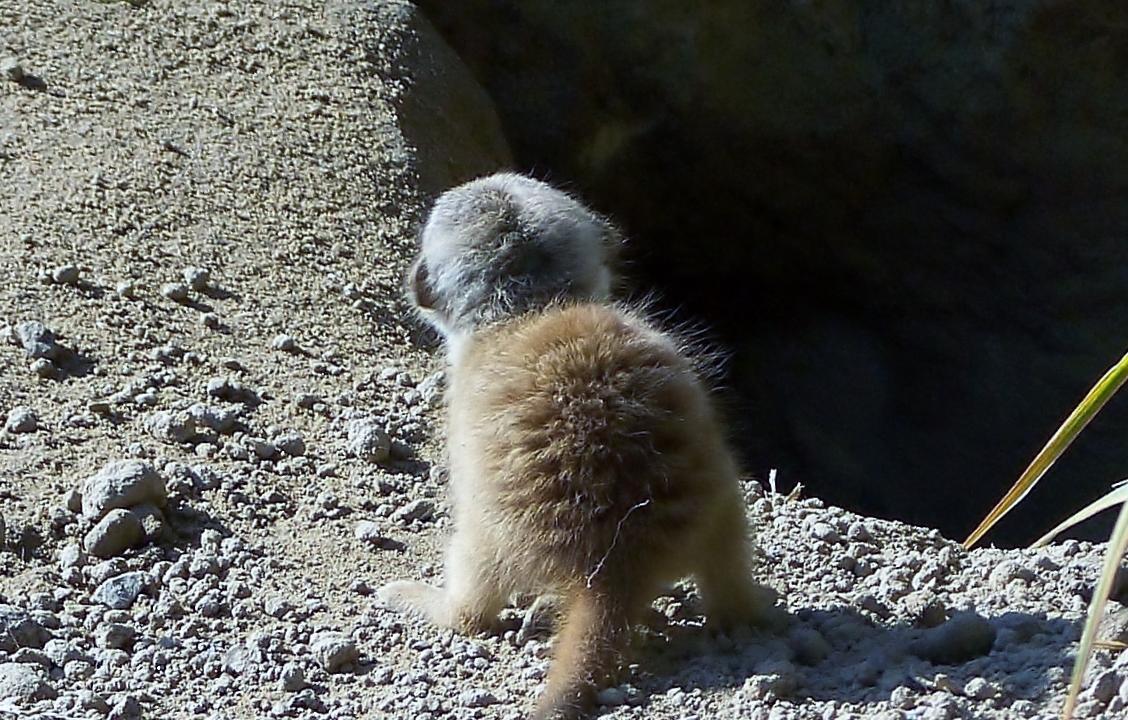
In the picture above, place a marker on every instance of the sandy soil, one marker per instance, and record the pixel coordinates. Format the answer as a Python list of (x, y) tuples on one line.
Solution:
[(208, 208)]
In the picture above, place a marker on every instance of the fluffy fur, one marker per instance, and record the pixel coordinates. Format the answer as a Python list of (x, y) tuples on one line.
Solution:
[(586, 459)]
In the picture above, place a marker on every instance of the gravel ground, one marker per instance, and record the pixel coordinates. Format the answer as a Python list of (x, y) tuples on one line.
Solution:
[(222, 428)]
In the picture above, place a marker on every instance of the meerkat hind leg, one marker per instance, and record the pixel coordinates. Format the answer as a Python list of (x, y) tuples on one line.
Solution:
[(470, 601), (724, 573)]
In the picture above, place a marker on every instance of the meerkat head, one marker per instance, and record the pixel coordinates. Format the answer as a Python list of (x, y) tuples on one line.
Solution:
[(506, 244)]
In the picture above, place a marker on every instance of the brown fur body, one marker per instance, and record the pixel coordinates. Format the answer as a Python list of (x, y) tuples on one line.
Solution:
[(586, 463)]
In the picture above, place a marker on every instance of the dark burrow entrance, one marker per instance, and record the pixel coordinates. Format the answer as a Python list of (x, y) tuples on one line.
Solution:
[(909, 234)]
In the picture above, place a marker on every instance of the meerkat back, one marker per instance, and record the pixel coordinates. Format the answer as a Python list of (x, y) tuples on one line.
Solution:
[(586, 460)]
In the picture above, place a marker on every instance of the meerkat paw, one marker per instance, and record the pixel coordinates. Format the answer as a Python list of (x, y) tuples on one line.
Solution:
[(415, 598), (755, 607)]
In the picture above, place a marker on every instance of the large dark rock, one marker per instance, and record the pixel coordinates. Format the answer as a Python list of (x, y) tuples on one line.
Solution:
[(908, 219)]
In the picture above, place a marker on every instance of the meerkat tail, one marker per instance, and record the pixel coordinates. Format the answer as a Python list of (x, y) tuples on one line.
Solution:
[(590, 644)]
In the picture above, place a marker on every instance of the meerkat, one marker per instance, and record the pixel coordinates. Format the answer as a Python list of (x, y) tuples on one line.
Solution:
[(587, 462)]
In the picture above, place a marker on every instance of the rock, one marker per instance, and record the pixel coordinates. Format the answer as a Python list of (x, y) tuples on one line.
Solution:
[(334, 650), (962, 638), (368, 440), (70, 556), (127, 707), (122, 484), (610, 697), (232, 390), (447, 115), (24, 683), (809, 646), (115, 635), (43, 368), (370, 532), (175, 292), (120, 591), (307, 401), (197, 278), (926, 609), (153, 525), (37, 341), (65, 275), (21, 420), (118, 530), (221, 420), (285, 343), (291, 678), (10, 67), (290, 442), (171, 427), (73, 501), (262, 449), (18, 629), (420, 509), (476, 698), (240, 657)]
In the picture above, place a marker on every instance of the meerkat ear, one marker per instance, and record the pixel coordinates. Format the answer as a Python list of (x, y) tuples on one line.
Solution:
[(419, 288)]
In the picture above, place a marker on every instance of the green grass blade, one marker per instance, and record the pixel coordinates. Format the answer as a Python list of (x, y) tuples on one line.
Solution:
[(1117, 496), (1117, 544), (1105, 388)]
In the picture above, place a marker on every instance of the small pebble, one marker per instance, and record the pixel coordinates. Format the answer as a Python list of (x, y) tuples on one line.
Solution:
[(43, 368), (263, 449), (117, 531), (21, 420), (12, 69), (114, 635), (291, 678), (421, 510), (65, 275), (36, 340), (170, 427), (152, 520), (291, 442), (962, 638), (122, 484), (231, 390), (126, 708), (175, 292), (809, 646), (125, 289), (70, 556), (100, 407), (197, 278), (285, 343), (611, 697), (24, 683), (19, 629), (980, 689), (334, 650), (219, 419), (476, 698), (368, 440), (120, 591)]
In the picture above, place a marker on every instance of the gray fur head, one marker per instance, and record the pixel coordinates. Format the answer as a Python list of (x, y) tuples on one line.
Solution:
[(503, 245)]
